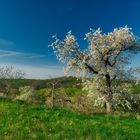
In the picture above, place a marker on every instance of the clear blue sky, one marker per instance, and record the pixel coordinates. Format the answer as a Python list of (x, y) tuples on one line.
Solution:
[(26, 27)]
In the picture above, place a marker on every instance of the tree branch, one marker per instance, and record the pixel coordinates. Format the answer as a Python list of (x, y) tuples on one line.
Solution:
[(91, 69)]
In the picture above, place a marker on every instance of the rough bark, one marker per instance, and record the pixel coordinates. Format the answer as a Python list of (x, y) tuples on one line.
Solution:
[(108, 107), (109, 94), (109, 104)]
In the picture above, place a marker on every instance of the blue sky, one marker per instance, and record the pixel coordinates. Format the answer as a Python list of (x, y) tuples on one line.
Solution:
[(26, 27)]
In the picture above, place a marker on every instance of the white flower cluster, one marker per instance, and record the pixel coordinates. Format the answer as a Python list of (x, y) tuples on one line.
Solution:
[(66, 49), (26, 93)]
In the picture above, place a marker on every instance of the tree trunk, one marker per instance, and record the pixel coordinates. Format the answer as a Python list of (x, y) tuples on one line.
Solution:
[(109, 94), (108, 83), (108, 107)]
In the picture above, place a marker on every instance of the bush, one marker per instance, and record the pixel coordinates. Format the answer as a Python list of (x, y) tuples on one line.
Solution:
[(134, 101), (3, 85), (39, 84), (13, 93), (74, 91), (135, 88), (42, 93), (26, 94)]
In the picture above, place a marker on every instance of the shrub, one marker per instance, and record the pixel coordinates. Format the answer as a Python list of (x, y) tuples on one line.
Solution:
[(74, 91), (39, 84), (26, 94), (42, 93), (135, 88)]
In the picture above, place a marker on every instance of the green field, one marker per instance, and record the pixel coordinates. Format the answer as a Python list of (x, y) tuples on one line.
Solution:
[(19, 121)]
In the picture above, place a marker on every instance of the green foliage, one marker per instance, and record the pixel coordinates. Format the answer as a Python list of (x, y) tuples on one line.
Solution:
[(73, 91), (39, 84), (135, 88), (41, 93), (68, 93), (21, 121), (16, 83)]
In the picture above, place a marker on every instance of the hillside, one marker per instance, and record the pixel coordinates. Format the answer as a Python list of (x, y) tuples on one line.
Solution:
[(62, 82), (19, 121)]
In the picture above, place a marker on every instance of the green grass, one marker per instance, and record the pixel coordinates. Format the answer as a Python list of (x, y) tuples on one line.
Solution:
[(19, 121)]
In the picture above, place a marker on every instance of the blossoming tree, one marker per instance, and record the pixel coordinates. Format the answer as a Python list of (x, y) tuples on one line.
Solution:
[(9, 73), (101, 63)]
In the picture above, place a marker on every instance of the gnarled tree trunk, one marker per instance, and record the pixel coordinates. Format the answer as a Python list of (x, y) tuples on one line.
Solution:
[(109, 94)]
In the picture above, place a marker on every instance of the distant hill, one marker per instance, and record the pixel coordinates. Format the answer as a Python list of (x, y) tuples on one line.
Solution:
[(62, 82)]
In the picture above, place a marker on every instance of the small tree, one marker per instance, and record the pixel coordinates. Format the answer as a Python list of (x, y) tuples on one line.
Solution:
[(102, 63), (54, 82), (9, 73)]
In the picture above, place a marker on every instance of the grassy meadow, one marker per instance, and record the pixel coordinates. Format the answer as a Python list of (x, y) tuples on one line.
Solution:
[(35, 120), (19, 121)]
